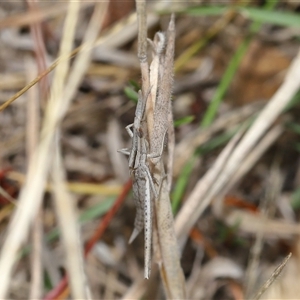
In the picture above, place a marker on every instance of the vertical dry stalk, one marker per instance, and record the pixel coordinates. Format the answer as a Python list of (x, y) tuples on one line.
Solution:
[(142, 44), (170, 268), (65, 207), (142, 55), (32, 130)]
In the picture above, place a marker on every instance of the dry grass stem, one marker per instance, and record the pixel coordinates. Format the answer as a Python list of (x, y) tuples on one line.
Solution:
[(32, 131), (166, 243), (75, 187), (273, 277), (37, 16), (273, 191), (142, 44), (269, 139), (84, 56), (250, 223), (65, 208), (187, 216)]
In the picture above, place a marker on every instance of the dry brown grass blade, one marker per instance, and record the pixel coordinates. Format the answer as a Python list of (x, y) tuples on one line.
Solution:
[(75, 187), (82, 61), (31, 195), (66, 211), (142, 44), (273, 277), (274, 188), (200, 191), (33, 16), (271, 136), (32, 131), (170, 268), (287, 286), (252, 223)]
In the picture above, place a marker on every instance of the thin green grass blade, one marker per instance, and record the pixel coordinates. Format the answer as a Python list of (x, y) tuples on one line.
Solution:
[(295, 203), (206, 10), (224, 84), (294, 102), (183, 121), (256, 14), (263, 15), (131, 94)]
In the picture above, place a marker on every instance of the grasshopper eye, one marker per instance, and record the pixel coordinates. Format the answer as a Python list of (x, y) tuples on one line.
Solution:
[(140, 132)]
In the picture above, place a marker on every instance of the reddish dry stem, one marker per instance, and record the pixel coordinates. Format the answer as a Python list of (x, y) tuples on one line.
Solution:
[(39, 49)]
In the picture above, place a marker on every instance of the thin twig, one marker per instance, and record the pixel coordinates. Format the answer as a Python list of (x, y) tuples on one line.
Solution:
[(273, 277)]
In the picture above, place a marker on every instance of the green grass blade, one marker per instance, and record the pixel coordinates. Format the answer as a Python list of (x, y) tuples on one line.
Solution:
[(183, 121), (256, 14), (295, 101), (263, 15), (206, 10), (295, 203), (224, 84), (131, 94)]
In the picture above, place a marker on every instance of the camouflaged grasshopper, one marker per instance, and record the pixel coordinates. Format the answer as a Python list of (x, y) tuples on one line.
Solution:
[(143, 186)]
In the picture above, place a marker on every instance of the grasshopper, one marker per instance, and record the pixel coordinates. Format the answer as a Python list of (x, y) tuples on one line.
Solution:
[(143, 183)]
